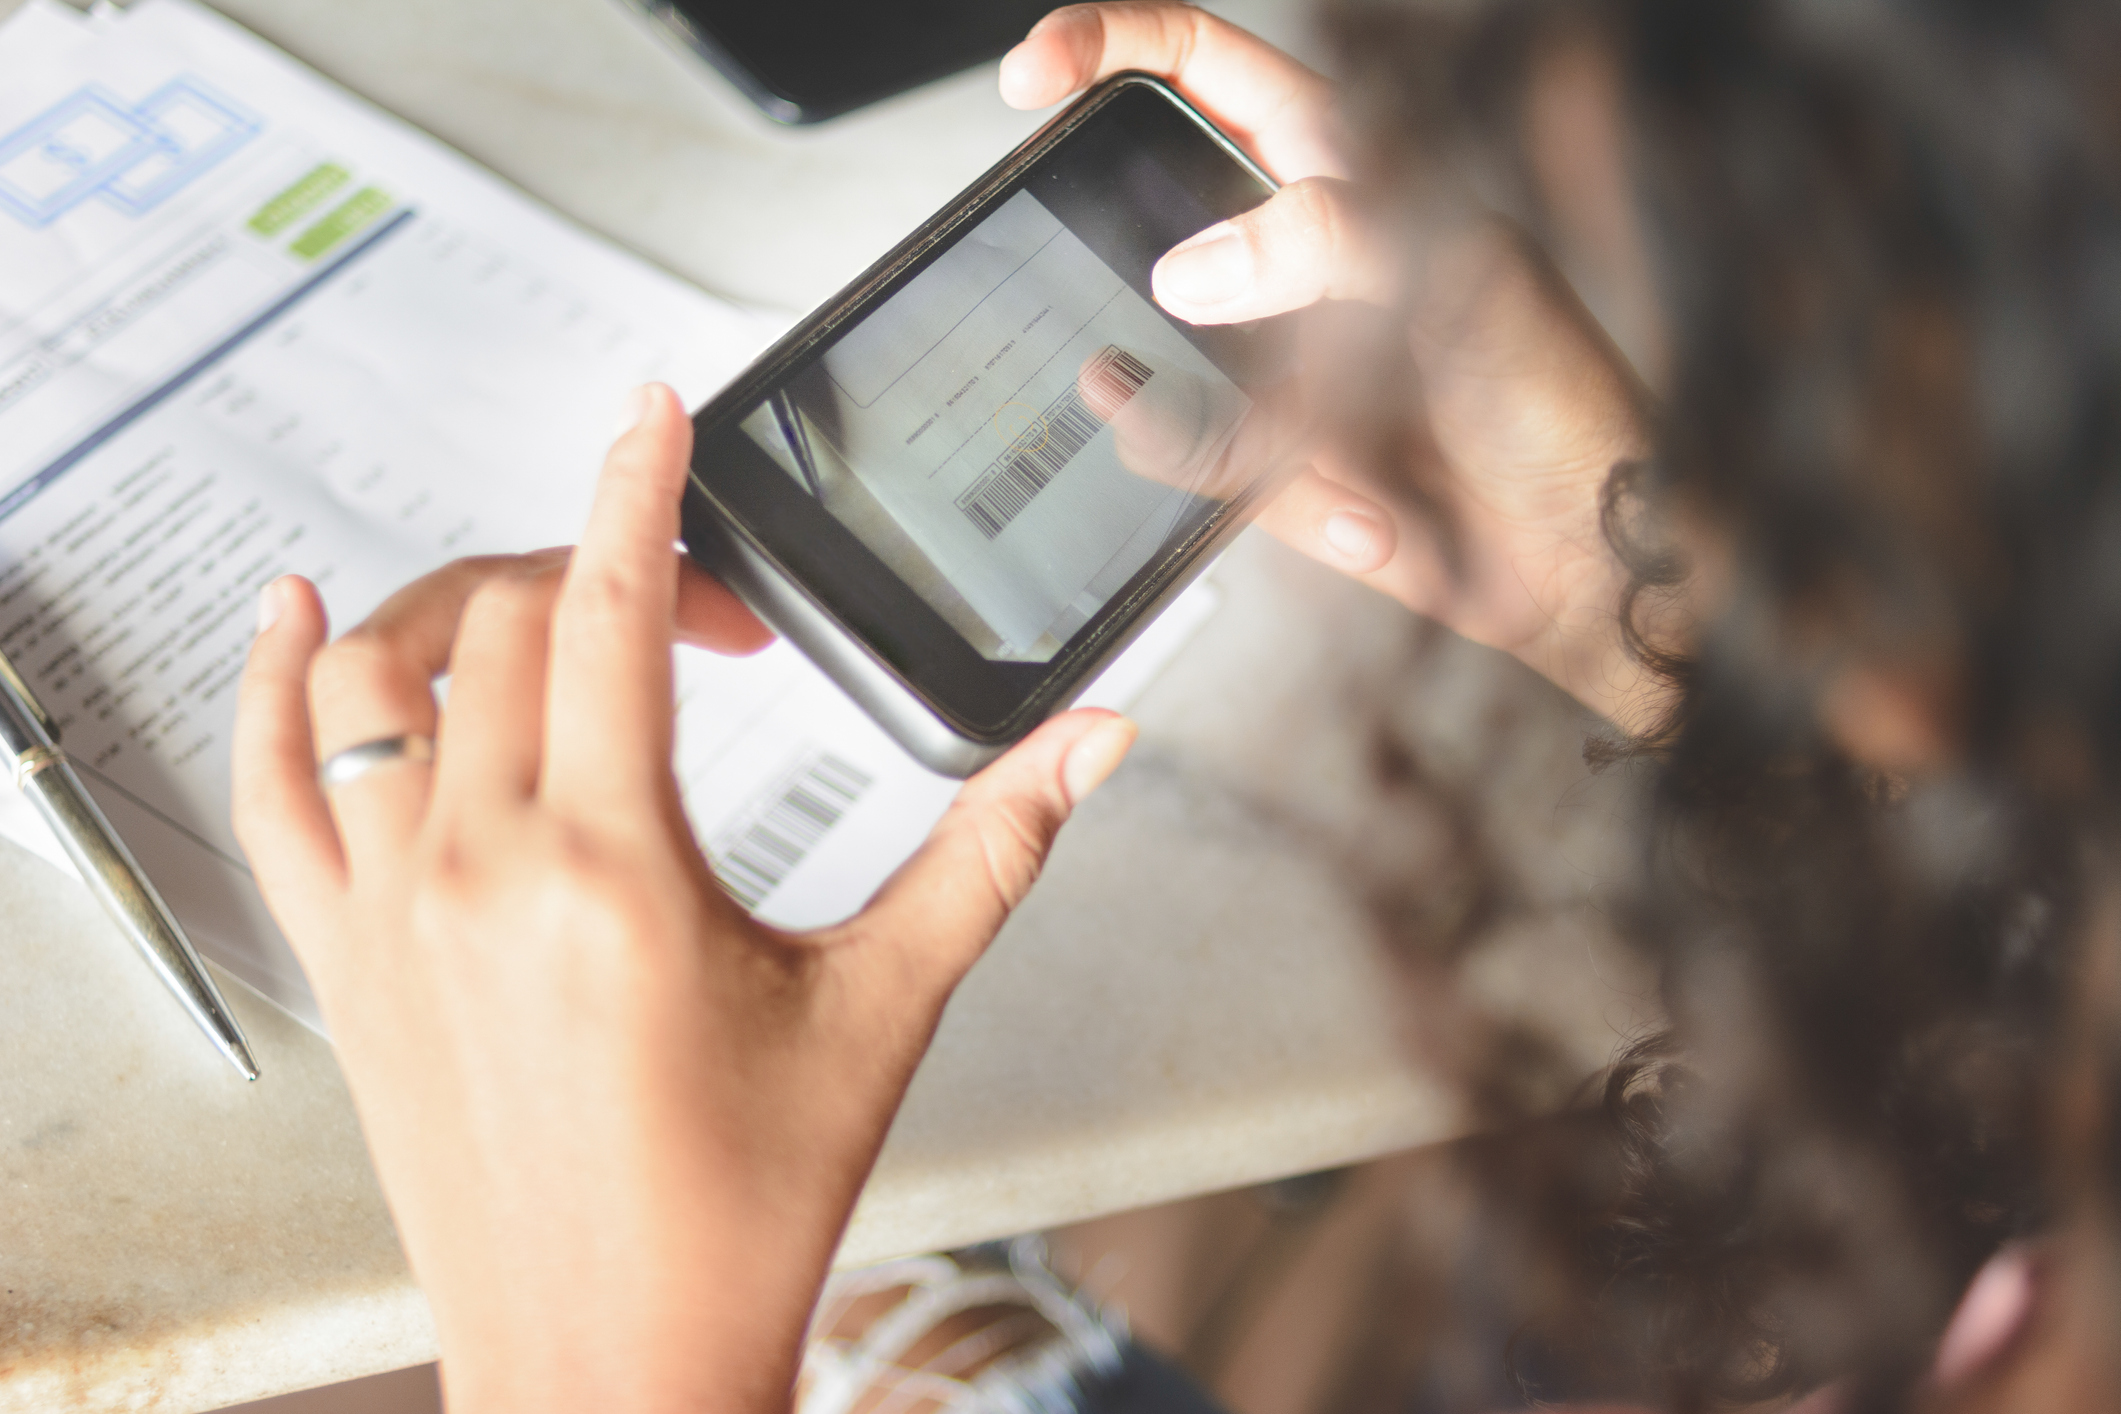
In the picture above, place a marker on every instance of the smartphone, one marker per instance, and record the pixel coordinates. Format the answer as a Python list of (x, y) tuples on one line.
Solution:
[(973, 477), (805, 60)]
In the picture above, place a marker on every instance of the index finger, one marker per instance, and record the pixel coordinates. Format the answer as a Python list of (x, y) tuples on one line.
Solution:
[(1275, 108), (608, 694)]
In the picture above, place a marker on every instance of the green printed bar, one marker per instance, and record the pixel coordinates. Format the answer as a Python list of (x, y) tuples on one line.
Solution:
[(298, 200), (340, 222)]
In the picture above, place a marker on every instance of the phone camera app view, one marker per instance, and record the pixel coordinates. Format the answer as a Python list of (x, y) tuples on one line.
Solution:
[(1016, 433)]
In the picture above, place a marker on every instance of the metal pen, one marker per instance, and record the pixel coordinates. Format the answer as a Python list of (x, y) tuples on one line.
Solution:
[(42, 772)]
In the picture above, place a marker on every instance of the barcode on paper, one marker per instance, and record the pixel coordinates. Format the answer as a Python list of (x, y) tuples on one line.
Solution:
[(1111, 380), (1067, 425), (786, 824)]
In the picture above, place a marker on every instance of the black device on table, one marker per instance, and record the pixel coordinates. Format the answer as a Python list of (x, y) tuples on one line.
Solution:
[(806, 60), (967, 482)]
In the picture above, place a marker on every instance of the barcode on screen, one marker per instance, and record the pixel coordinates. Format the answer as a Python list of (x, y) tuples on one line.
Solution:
[(1067, 425), (786, 824)]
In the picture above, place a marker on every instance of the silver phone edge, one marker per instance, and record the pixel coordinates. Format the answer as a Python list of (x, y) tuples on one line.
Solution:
[(907, 718)]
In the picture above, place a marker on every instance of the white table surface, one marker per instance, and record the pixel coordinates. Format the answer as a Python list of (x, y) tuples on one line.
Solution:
[(1191, 1000)]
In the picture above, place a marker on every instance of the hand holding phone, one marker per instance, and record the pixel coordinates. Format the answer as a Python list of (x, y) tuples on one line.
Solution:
[(1517, 406), (599, 1096)]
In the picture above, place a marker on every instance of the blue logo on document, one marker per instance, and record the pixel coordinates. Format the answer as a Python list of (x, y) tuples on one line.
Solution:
[(93, 145)]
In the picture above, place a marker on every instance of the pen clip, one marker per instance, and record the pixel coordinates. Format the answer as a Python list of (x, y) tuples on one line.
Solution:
[(20, 687)]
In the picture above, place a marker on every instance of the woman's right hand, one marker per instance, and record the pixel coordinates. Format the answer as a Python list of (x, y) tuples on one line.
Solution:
[(619, 1122), (1520, 399)]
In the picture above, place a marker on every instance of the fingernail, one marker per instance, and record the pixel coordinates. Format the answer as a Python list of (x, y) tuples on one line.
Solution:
[(634, 409), (1015, 81), (268, 606), (1352, 537), (1095, 757), (1213, 267), (1990, 1314), (1019, 77)]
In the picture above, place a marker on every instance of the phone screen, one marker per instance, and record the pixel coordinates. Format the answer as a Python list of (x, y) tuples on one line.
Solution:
[(1016, 432), (803, 60), (990, 462)]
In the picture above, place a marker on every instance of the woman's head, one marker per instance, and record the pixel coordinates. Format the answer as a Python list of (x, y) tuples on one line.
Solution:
[(1867, 256)]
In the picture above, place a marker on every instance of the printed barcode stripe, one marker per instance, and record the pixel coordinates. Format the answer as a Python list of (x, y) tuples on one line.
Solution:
[(799, 811), (1004, 492), (1116, 377), (1011, 484)]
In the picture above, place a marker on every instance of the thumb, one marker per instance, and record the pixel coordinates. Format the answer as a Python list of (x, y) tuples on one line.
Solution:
[(1306, 243), (1332, 523), (940, 910)]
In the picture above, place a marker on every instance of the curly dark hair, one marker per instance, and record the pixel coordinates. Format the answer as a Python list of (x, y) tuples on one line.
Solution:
[(1887, 235)]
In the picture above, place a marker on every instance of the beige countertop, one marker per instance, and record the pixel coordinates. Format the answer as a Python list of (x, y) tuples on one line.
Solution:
[(1192, 999)]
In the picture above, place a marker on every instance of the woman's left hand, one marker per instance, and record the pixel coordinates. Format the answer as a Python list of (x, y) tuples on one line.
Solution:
[(1516, 408), (619, 1123)]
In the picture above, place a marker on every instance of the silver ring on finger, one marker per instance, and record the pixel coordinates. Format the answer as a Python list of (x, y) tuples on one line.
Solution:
[(357, 761)]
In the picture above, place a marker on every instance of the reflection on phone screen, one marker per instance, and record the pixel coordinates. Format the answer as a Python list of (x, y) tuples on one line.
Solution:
[(1016, 433)]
